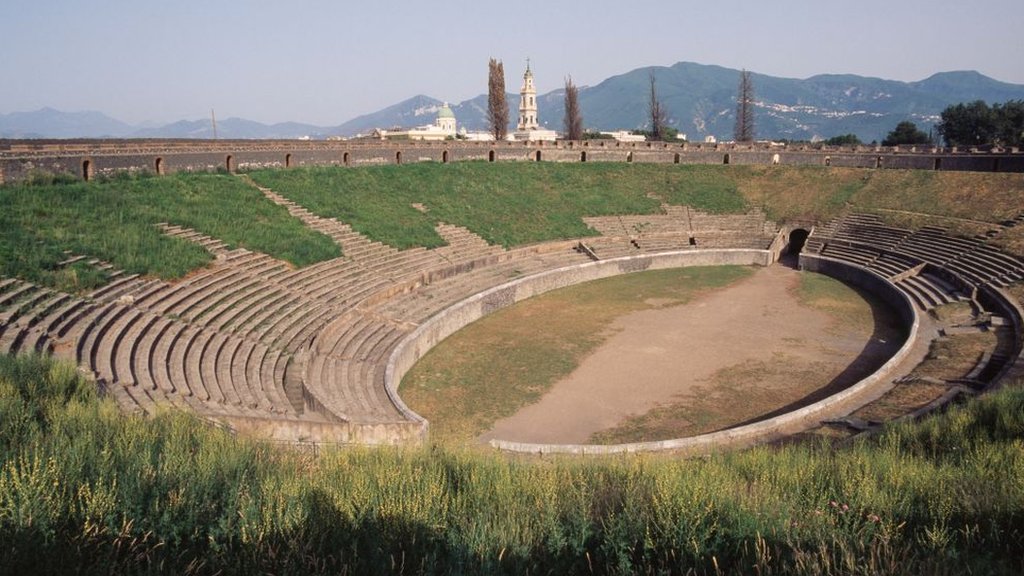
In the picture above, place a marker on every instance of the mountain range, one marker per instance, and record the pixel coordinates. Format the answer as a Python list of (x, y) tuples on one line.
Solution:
[(699, 99)]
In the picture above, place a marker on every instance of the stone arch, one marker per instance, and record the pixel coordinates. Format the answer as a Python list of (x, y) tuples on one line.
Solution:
[(938, 164), (398, 157), (726, 158), (676, 159), (87, 169), (583, 156), (444, 157), (797, 240), (828, 160), (229, 163), (629, 157), (158, 166), (490, 155), (536, 156), (344, 159), (288, 160)]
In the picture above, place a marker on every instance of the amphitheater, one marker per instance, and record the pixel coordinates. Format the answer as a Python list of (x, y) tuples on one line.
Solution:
[(316, 354)]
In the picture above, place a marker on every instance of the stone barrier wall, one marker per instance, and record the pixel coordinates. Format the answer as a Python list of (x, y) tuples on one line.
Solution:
[(307, 432), (786, 424), (88, 159), (999, 300), (457, 316)]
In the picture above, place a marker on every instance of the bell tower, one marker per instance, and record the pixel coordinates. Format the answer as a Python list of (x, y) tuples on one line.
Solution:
[(527, 103)]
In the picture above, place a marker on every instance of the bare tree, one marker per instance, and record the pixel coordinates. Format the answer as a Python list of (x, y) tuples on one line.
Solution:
[(656, 114), (573, 117), (497, 104), (744, 130)]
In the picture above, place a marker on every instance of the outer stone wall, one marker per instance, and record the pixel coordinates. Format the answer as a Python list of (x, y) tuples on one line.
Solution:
[(19, 159)]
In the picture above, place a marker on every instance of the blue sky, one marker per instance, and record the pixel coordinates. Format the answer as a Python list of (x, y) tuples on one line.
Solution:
[(324, 62)]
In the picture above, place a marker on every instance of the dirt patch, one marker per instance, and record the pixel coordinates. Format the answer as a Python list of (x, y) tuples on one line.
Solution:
[(739, 354), (955, 356)]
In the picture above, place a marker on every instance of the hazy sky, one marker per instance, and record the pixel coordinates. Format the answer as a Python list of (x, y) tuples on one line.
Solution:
[(324, 62)]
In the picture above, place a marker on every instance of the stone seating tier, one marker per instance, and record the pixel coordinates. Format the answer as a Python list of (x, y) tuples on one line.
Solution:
[(855, 254), (250, 337), (926, 293)]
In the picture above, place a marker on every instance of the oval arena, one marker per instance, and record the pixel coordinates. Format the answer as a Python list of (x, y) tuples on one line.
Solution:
[(316, 354)]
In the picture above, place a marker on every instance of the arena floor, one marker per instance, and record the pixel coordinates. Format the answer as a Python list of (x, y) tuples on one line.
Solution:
[(731, 356)]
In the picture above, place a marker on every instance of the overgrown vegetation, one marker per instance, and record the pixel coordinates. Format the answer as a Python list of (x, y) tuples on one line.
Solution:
[(114, 220), (85, 488)]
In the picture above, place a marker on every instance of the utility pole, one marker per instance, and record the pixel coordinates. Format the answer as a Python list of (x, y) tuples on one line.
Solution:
[(213, 120)]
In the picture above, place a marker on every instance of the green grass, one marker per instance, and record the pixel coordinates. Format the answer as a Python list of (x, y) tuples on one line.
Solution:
[(509, 359), (84, 486), (508, 204), (518, 203), (114, 220)]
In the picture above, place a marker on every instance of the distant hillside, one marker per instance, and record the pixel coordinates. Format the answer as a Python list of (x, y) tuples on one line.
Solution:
[(699, 99), (50, 123), (237, 128)]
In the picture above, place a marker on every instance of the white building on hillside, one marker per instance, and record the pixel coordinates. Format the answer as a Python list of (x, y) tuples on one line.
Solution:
[(625, 136), (443, 128)]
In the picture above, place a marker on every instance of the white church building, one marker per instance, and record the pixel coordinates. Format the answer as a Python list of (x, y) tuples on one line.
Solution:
[(528, 127), (443, 128)]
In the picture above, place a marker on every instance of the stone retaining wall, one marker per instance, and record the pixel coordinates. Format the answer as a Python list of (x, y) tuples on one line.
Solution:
[(791, 422), (303, 431), (999, 300), (453, 318)]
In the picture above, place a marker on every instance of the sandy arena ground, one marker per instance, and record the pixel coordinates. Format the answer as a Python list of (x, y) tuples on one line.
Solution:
[(660, 357)]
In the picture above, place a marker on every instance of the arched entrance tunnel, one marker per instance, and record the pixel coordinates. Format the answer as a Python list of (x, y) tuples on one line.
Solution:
[(797, 239)]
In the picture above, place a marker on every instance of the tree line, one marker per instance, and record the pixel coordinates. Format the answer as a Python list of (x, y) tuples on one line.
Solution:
[(978, 124)]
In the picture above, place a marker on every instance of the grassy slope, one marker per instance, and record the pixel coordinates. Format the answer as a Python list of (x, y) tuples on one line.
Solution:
[(83, 485), (115, 221), (508, 204), (519, 203)]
